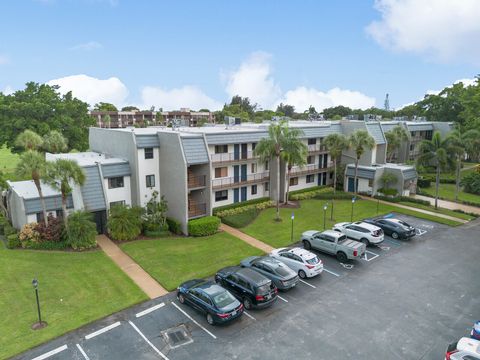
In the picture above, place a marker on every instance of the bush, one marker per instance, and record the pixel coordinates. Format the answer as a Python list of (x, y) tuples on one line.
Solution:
[(241, 209), (8, 229), (388, 192), (398, 199), (204, 226), (29, 235), (240, 205), (53, 232), (309, 193), (3, 223), (125, 223), (81, 231), (338, 196), (471, 183), (174, 226), (313, 188), (13, 241), (424, 183)]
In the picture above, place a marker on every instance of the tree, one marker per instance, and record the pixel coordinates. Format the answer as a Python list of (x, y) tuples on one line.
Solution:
[(124, 222), (61, 175), (32, 164), (294, 152), (335, 144), (103, 106), (359, 141), (107, 120), (155, 216), (3, 186), (81, 230), (270, 148), (434, 152), (388, 179), (329, 113), (395, 138), (130, 108), (54, 142), (244, 103), (29, 140), (287, 110)]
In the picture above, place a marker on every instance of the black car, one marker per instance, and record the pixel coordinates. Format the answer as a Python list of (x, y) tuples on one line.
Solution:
[(396, 228), (218, 304), (249, 286)]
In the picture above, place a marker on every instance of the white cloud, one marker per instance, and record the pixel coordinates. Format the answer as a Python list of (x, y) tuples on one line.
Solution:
[(253, 79), (169, 99), (93, 90), (88, 46), (8, 90), (444, 30), (466, 83), (4, 59)]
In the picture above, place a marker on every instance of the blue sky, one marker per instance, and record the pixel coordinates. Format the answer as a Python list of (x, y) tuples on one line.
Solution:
[(199, 53)]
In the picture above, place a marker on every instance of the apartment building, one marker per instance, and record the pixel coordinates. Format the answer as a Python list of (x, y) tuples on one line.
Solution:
[(122, 119), (187, 117)]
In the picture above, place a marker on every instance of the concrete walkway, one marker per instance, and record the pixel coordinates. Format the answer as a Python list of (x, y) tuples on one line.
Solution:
[(449, 204), (417, 210), (247, 238), (139, 276)]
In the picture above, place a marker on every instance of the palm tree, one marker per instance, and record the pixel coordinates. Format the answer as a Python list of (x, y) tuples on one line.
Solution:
[(460, 143), (272, 147), (54, 142), (359, 141), (395, 138), (434, 152), (335, 144), (29, 140), (62, 174), (32, 164), (294, 153)]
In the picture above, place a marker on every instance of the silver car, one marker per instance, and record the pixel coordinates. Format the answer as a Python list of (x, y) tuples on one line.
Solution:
[(304, 262), (283, 277)]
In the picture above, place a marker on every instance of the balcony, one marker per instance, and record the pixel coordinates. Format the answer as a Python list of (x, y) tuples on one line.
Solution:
[(233, 157), (196, 181), (196, 209), (309, 169), (230, 182), (316, 149)]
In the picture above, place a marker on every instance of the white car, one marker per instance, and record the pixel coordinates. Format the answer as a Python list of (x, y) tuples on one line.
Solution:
[(464, 349), (304, 262), (361, 231)]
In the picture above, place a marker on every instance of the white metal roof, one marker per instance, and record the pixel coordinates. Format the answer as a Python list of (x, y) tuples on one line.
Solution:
[(27, 189)]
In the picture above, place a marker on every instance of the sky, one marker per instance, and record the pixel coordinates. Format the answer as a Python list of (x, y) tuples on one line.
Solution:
[(199, 53)]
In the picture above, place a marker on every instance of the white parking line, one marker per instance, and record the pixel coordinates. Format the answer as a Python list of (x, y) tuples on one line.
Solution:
[(149, 310), (51, 353), (250, 316), (330, 272), (420, 232), (306, 283), (370, 252), (281, 298), (102, 330), (394, 242), (194, 321), (147, 341), (82, 352)]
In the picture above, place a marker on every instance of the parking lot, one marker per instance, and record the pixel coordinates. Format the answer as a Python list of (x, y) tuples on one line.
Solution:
[(404, 300)]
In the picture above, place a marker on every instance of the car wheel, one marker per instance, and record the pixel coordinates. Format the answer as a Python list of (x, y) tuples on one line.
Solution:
[(181, 298), (394, 235), (247, 303), (365, 241), (342, 257), (307, 245), (302, 274), (210, 319)]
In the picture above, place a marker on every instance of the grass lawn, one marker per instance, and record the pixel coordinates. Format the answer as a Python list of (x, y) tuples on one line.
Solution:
[(310, 217), (173, 260), (74, 289), (447, 191), (8, 161), (439, 210)]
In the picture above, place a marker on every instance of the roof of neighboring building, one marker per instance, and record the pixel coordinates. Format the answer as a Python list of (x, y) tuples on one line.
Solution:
[(27, 189), (87, 158), (375, 130)]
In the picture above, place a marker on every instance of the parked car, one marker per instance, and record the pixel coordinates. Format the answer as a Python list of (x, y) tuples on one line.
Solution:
[(282, 276), (219, 305), (252, 288), (464, 349), (361, 231), (396, 228), (475, 333), (304, 262), (335, 243)]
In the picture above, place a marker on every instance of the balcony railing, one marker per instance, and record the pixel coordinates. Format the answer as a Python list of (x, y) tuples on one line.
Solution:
[(309, 169), (316, 148), (197, 210), (196, 181), (233, 157), (233, 182)]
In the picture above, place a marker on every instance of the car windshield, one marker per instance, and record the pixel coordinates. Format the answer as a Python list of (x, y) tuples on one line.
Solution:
[(312, 261), (403, 223), (341, 238), (223, 299)]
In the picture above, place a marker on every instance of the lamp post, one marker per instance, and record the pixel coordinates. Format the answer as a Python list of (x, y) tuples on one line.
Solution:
[(324, 214), (40, 324), (291, 233), (353, 202)]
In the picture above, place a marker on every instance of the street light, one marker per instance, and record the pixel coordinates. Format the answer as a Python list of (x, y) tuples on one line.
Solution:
[(324, 214), (291, 234), (40, 324), (353, 202)]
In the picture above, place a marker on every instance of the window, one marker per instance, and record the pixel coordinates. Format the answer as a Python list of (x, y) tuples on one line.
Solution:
[(59, 213), (148, 153), (254, 145), (266, 165), (221, 195), (293, 181), (115, 182), (266, 186), (254, 189), (254, 168), (312, 141), (370, 183), (220, 149), (150, 179), (115, 203), (310, 159), (412, 147), (39, 217), (221, 172), (331, 175), (310, 178)]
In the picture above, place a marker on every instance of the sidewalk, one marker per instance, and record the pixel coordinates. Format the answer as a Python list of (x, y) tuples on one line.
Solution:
[(449, 204), (247, 238), (139, 276)]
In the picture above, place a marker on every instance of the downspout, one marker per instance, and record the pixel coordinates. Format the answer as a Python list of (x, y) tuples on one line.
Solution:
[(137, 179)]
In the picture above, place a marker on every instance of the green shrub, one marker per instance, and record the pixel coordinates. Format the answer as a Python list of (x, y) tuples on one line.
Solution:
[(157, 233), (240, 204), (424, 183), (241, 209), (3, 223), (204, 226), (338, 196), (398, 199), (388, 192), (54, 232), (81, 231), (309, 189), (174, 226), (13, 241), (8, 229), (125, 223), (471, 183), (29, 235)]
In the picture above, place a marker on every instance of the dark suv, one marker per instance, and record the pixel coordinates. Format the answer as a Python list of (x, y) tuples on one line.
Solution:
[(249, 286)]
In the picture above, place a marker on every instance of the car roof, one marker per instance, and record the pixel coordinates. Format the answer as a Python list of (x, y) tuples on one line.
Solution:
[(333, 233), (468, 344), (366, 225), (253, 276), (210, 288), (304, 254)]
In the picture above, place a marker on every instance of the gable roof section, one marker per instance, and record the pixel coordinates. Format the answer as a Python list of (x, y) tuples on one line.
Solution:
[(195, 150), (52, 203), (235, 137), (409, 174), (420, 126), (114, 170), (320, 131), (92, 190), (363, 173), (376, 132), (146, 141)]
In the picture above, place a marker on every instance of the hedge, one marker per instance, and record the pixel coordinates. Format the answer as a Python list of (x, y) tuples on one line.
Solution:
[(13, 241), (309, 193), (398, 199), (470, 203), (240, 204), (174, 226), (340, 196), (313, 188), (424, 183), (204, 226), (241, 209)]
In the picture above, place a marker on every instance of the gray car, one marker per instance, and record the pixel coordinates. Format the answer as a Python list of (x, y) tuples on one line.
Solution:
[(283, 277)]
